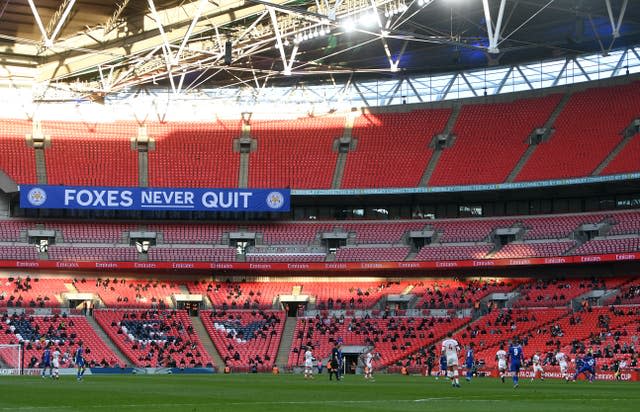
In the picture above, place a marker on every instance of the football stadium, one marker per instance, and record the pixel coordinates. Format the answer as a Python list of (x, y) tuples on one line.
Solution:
[(317, 205)]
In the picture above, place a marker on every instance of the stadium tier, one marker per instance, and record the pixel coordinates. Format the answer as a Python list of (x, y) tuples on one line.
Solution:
[(242, 295), (121, 292), (500, 130), (27, 292), (155, 338), (194, 155), (17, 158), (64, 332), (586, 131), (246, 330), (245, 339), (485, 145), (98, 154), (392, 337), (400, 143), (453, 252), (297, 154), (389, 241), (626, 161), (372, 254), (453, 294)]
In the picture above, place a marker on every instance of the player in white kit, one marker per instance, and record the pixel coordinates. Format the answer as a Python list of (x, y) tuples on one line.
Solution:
[(537, 366), (56, 363), (368, 366), (450, 349), (564, 365), (501, 356), (308, 363)]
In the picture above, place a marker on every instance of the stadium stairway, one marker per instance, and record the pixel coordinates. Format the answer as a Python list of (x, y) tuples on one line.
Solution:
[(341, 161), (619, 147), (103, 336), (433, 162), (532, 148), (41, 169), (286, 341), (203, 335)]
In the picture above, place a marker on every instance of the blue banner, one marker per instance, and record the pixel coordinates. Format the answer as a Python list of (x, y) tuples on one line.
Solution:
[(139, 198)]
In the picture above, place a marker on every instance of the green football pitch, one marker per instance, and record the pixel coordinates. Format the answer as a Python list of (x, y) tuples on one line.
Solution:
[(263, 392)]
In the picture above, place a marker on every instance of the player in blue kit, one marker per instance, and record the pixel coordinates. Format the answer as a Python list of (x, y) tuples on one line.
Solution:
[(469, 362), (516, 357), (46, 362), (584, 365), (78, 359), (443, 366)]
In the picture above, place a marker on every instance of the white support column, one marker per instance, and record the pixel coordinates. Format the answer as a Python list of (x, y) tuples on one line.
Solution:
[(615, 26), (111, 23), (201, 5), (276, 29), (393, 65), (334, 10), (63, 18), (36, 15), (493, 34), (166, 47)]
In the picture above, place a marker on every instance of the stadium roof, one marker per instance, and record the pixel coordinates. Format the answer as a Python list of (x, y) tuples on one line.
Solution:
[(104, 46)]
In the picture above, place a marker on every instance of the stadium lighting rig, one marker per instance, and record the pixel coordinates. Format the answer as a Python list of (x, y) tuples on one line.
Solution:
[(184, 47)]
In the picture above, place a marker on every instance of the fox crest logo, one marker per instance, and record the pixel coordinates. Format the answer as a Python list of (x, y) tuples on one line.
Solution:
[(37, 196), (275, 200)]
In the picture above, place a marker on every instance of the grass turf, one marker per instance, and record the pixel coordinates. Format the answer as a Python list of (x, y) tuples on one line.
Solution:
[(263, 392)]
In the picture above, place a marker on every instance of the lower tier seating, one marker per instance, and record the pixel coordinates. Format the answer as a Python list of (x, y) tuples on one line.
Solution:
[(245, 339), (155, 338), (63, 332)]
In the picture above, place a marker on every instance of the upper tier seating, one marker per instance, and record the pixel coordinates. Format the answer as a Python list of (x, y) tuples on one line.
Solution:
[(17, 159), (391, 149), (155, 338), (96, 154), (64, 333), (587, 129), (627, 160), (245, 338), (497, 131), (297, 153), (399, 143), (194, 155)]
